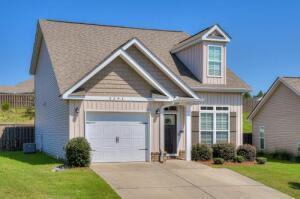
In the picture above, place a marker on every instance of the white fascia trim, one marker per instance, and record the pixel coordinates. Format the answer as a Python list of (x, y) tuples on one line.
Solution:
[(158, 63), (143, 73), (197, 39), (129, 61), (215, 27), (237, 90), (116, 98), (90, 75)]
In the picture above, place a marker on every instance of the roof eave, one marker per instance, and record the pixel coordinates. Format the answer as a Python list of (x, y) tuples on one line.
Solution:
[(36, 49)]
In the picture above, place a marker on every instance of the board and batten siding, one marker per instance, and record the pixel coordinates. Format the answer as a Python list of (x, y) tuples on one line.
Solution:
[(117, 79), (51, 112), (195, 58), (155, 72), (280, 116), (234, 101)]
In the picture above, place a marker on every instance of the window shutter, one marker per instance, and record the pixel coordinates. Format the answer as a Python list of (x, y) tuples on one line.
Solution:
[(195, 127), (233, 121)]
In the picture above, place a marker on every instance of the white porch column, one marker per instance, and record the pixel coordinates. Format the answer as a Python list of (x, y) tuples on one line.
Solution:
[(188, 132), (161, 132)]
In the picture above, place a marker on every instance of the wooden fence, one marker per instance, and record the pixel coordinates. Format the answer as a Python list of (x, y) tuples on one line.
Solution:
[(12, 137), (18, 100), (247, 138)]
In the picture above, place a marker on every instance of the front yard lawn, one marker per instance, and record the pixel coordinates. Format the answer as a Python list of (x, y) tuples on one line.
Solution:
[(30, 176), (281, 175)]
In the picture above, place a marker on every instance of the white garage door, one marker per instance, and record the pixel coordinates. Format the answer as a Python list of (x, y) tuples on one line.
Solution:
[(117, 137)]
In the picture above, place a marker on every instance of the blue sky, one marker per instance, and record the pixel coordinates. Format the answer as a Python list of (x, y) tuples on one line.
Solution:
[(265, 34)]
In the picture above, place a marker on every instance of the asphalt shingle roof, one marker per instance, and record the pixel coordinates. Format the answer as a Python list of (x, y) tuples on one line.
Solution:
[(76, 48)]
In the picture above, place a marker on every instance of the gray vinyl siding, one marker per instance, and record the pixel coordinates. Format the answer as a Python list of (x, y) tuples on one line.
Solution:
[(155, 72), (280, 116), (117, 79), (52, 113)]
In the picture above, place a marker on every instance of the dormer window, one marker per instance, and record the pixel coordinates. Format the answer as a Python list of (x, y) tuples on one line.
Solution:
[(214, 61)]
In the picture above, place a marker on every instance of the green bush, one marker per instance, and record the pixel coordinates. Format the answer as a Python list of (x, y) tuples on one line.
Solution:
[(239, 159), (30, 112), (261, 160), (224, 150), (247, 151), (78, 152), (282, 155), (218, 161), (5, 106), (201, 152)]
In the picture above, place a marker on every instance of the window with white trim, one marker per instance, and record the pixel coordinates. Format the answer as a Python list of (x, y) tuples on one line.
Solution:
[(214, 125), (214, 61), (262, 137)]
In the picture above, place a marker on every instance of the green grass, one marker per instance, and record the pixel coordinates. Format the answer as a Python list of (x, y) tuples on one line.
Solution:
[(247, 123), (15, 116), (30, 176), (281, 175)]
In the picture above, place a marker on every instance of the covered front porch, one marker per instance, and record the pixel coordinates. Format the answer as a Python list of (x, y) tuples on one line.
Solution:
[(173, 139)]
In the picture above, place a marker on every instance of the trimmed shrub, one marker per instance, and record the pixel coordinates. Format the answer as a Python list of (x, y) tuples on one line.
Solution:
[(239, 159), (224, 150), (218, 161), (282, 155), (247, 151), (78, 152), (261, 160), (5, 106), (201, 152)]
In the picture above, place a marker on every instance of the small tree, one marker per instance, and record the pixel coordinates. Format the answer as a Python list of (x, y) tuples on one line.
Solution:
[(260, 94), (5, 106)]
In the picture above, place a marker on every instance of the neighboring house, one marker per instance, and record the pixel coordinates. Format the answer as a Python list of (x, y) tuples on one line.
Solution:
[(133, 93), (19, 95), (24, 87), (276, 118)]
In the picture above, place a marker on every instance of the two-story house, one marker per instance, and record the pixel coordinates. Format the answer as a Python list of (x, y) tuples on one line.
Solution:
[(135, 94)]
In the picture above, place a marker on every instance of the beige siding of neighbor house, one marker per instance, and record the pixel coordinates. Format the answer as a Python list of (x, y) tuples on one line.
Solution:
[(234, 101), (196, 59), (155, 72), (51, 116), (117, 79), (280, 116)]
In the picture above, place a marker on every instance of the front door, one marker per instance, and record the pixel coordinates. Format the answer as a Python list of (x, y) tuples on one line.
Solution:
[(170, 134)]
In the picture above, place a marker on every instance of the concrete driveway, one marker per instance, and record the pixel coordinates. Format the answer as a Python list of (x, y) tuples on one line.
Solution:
[(180, 179)]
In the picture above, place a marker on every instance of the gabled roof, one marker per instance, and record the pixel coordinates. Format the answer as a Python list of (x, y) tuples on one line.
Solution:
[(26, 86), (76, 49), (293, 83), (202, 36)]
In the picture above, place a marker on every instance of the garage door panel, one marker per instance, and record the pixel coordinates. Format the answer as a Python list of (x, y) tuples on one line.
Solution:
[(118, 138)]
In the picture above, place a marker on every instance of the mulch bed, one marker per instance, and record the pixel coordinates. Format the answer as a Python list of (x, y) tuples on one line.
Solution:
[(210, 163)]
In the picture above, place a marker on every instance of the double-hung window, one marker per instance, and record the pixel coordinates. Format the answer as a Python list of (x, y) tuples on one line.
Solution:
[(214, 125), (214, 61), (262, 138)]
